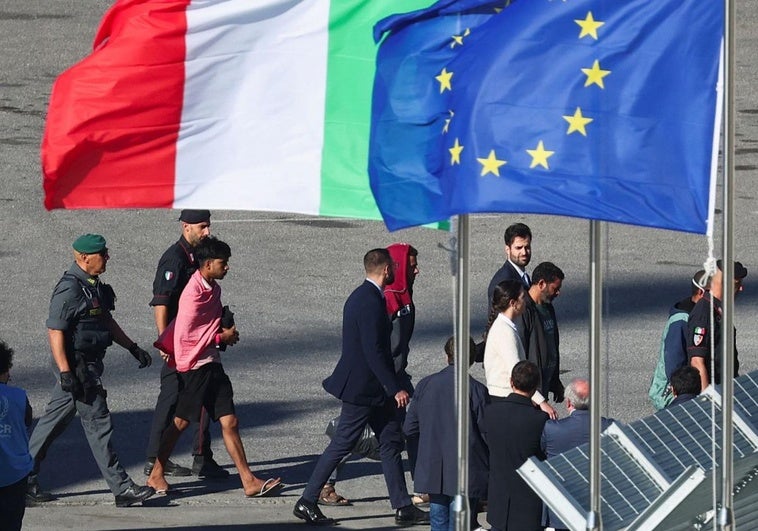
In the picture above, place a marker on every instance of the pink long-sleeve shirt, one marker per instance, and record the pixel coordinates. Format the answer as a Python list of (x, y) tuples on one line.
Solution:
[(197, 323)]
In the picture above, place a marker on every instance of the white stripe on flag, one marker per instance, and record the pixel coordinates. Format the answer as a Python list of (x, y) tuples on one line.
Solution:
[(252, 122)]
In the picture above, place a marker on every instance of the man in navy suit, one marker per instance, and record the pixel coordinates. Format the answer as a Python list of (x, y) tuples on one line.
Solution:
[(518, 253), (562, 435), (365, 380)]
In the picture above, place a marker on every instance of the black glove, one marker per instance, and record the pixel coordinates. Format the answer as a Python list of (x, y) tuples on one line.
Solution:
[(69, 384), (144, 359)]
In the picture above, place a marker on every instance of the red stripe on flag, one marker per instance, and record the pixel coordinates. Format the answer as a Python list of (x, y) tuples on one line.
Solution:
[(113, 119)]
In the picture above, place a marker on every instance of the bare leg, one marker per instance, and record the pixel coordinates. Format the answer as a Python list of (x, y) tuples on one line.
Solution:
[(230, 431), (168, 441)]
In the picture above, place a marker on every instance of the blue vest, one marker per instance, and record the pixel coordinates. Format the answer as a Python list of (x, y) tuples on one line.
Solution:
[(15, 460)]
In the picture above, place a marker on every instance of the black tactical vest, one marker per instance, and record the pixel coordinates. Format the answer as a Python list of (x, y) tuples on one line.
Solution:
[(91, 335)]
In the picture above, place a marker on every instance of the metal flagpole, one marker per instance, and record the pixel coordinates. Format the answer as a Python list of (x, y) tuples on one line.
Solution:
[(461, 507), (725, 514), (594, 521)]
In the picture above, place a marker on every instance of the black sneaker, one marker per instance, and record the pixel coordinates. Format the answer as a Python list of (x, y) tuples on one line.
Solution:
[(134, 494), (171, 468), (206, 467), (35, 494)]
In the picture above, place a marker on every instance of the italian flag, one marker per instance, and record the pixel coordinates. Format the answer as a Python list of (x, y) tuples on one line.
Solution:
[(220, 104)]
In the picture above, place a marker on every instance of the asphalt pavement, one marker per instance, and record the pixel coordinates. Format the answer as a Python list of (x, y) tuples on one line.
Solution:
[(289, 277)]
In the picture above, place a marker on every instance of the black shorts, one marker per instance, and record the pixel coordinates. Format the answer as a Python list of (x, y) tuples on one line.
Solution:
[(208, 387)]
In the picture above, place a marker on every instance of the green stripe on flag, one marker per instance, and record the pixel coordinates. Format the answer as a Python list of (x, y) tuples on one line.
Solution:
[(345, 190)]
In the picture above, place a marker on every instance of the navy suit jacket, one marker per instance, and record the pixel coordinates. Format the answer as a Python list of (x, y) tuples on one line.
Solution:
[(365, 373), (431, 416), (507, 272), (562, 435)]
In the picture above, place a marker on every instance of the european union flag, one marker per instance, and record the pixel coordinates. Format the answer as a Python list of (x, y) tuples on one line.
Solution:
[(599, 109)]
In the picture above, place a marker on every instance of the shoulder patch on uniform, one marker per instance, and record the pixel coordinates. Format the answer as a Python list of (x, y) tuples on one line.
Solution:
[(698, 335), (168, 275)]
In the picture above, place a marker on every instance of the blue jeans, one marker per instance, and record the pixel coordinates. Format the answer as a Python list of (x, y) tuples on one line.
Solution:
[(441, 515)]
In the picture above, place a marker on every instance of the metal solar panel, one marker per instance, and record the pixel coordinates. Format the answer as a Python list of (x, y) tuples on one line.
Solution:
[(746, 398), (629, 486), (684, 435), (657, 472)]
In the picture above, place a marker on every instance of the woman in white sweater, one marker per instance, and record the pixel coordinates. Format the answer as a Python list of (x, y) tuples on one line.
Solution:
[(503, 348)]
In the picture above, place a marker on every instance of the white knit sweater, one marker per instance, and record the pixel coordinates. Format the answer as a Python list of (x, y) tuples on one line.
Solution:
[(502, 351)]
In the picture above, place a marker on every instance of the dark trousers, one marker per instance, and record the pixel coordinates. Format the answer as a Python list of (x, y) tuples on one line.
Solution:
[(353, 418), (411, 444), (411, 447), (12, 505), (165, 407)]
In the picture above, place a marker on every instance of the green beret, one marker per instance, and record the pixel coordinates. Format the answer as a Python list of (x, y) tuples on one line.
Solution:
[(89, 243)]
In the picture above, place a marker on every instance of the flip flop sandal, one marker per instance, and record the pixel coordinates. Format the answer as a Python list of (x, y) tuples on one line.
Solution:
[(163, 492), (268, 487), (329, 496)]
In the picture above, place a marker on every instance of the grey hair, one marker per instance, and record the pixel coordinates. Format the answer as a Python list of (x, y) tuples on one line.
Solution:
[(579, 401)]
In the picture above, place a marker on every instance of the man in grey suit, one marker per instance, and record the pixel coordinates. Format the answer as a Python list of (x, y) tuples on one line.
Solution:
[(365, 381), (561, 435)]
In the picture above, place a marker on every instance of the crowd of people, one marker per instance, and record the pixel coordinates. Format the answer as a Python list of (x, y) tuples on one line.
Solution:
[(382, 414)]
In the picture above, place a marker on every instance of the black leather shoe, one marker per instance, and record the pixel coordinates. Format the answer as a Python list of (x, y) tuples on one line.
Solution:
[(35, 494), (411, 515), (311, 513), (134, 494), (171, 468), (206, 467)]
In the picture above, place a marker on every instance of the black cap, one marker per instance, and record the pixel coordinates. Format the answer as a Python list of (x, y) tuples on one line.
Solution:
[(195, 216), (739, 269)]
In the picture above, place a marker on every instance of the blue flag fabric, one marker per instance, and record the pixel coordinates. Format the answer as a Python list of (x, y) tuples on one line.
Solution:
[(598, 109)]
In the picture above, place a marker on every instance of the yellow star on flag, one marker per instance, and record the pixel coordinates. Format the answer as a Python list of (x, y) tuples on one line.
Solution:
[(458, 39), (589, 26), (577, 122), (455, 153), (594, 75), (540, 156), (444, 79), (491, 164)]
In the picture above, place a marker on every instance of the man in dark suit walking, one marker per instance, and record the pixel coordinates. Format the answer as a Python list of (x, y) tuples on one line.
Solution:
[(514, 427), (564, 434), (365, 380)]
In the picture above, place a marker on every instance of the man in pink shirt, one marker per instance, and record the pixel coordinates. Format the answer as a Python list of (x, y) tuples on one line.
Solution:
[(198, 338)]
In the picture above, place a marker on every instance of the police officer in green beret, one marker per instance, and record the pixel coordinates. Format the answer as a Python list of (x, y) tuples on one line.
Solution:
[(80, 328)]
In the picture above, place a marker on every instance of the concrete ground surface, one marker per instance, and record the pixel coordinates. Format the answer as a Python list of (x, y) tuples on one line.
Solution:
[(289, 277)]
